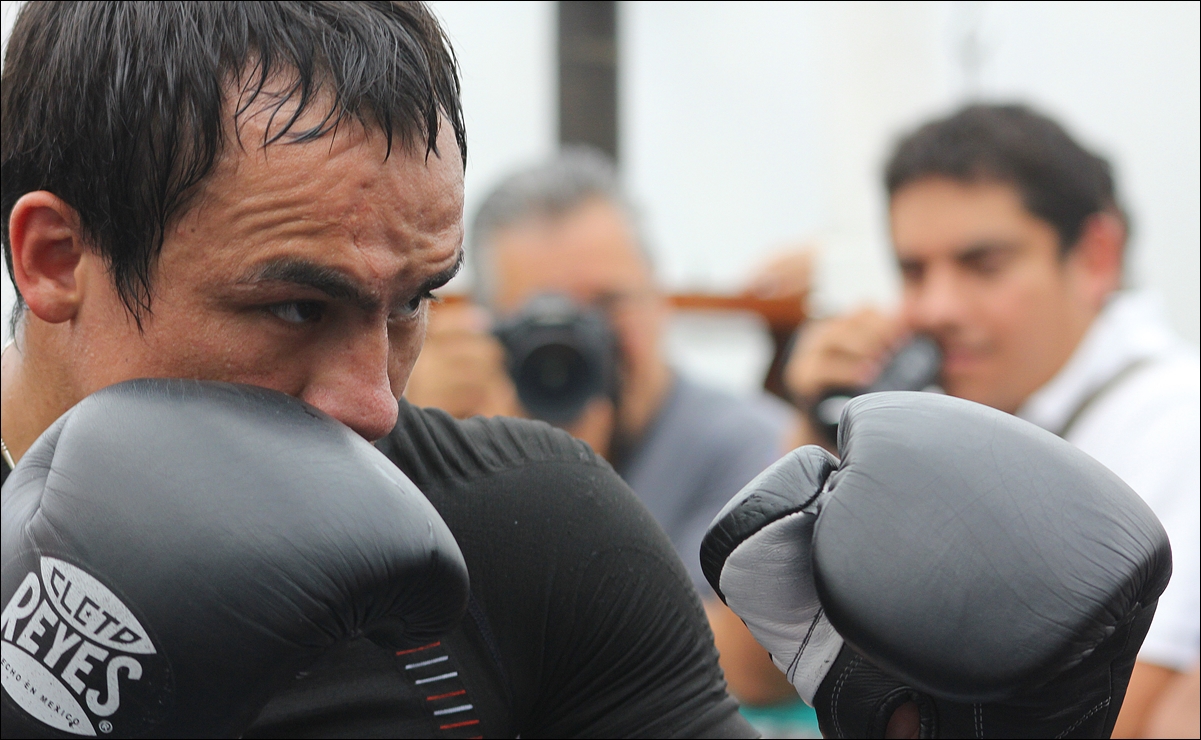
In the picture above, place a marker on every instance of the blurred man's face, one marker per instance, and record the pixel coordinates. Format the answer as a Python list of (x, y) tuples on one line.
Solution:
[(985, 278), (301, 267), (591, 255)]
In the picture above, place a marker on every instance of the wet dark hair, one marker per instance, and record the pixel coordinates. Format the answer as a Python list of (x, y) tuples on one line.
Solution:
[(118, 107), (1059, 181)]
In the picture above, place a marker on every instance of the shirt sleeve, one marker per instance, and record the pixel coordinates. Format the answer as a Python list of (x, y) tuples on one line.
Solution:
[(622, 645), (642, 658), (596, 628)]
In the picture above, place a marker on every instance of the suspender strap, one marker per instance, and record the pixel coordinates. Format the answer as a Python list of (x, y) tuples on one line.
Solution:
[(1090, 400)]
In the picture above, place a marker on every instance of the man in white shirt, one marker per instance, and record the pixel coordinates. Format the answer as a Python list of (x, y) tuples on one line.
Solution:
[(1010, 243), (1144, 426)]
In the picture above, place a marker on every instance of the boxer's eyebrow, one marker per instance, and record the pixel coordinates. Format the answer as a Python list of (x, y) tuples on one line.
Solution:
[(334, 283), (444, 277)]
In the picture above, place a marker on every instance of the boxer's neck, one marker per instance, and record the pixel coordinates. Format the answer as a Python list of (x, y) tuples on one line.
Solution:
[(35, 387)]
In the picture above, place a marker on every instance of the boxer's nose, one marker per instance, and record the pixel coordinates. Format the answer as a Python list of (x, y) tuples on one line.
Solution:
[(352, 384)]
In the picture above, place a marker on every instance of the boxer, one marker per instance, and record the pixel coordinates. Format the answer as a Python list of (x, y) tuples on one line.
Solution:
[(958, 573), (266, 194)]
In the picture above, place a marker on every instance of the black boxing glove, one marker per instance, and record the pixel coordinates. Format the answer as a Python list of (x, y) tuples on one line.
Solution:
[(174, 551), (958, 558)]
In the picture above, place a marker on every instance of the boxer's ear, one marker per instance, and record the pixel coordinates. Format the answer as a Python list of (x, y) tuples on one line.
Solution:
[(47, 249)]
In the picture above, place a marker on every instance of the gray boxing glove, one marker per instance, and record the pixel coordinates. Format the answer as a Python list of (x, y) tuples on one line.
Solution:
[(175, 551), (957, 558)]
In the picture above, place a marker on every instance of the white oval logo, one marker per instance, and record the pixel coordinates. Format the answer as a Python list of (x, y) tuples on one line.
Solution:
[(73, 654)]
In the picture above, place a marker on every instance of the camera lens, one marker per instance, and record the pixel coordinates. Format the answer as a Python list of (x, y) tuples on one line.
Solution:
[(555, 382), (560, 355)]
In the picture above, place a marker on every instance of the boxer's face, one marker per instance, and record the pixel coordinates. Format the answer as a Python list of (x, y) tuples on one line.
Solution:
[(985, 278), (300, 267)]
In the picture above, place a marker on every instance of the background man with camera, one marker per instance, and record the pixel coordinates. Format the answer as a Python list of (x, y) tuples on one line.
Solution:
[(563, 233), (1010, 244)]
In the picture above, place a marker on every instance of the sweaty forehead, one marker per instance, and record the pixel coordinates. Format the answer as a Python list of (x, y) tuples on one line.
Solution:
[(354, 153), (340, 197)]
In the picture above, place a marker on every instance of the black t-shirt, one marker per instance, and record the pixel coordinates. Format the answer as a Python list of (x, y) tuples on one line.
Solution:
[(582, 622)]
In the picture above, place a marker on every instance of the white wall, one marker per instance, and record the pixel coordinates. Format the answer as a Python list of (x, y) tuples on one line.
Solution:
[(746, 126), (508, 59), (749, 125)]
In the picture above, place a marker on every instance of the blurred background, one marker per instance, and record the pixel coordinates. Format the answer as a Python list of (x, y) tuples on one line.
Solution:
[(745, 128)]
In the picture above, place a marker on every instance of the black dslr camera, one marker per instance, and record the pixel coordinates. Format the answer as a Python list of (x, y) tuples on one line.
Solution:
[(914, 367), (560, 355)]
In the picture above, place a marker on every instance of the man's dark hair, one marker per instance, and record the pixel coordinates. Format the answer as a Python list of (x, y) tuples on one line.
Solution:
[(117, 107), (1059, 181)]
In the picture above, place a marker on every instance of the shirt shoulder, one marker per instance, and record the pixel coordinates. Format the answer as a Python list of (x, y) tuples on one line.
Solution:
[(429, 444), (1147, 429), (704, 446), (1157, 407)]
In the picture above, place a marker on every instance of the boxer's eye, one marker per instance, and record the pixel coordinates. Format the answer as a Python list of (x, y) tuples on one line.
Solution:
[(410, 309), (297, 312)]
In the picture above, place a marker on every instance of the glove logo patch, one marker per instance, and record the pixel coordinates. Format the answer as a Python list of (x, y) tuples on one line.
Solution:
[(76, 658)]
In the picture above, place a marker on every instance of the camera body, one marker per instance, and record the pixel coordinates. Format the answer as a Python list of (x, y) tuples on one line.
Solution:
[(914, 367), (560, 355)]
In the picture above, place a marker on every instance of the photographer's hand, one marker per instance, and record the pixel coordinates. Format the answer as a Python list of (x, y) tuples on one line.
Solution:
[(846, 351), (461, 368)]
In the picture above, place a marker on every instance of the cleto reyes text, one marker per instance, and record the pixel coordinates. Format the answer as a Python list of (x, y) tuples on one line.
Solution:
[(65, 624)]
